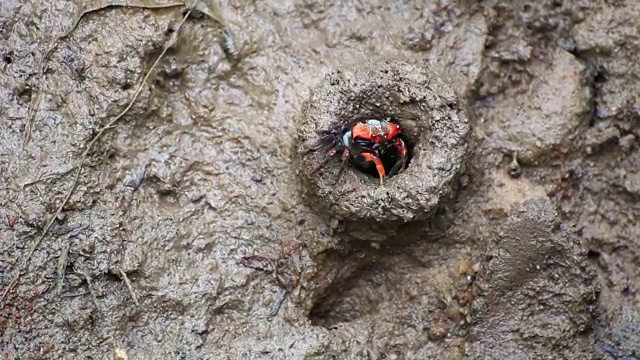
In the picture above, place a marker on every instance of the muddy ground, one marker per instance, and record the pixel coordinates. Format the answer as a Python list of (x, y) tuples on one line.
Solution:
[(189, 233)]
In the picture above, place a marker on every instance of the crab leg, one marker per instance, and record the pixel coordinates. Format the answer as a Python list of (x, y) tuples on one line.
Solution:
[(332, 154), (317, 147), (376, 160), (345, 158), (402, 152)]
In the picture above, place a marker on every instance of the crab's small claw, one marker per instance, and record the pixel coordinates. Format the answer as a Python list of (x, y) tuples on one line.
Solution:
[(316, 147), (379, 166), (402, 153), (397, 167)]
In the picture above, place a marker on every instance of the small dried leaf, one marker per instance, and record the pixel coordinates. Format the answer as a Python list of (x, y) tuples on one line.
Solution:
[(257, 262)]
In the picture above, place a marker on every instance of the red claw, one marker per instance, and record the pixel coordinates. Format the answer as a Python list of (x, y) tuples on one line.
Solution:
[(376, 160)]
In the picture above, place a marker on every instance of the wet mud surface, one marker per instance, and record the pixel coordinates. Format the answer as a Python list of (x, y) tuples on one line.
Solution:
[(194, 233)]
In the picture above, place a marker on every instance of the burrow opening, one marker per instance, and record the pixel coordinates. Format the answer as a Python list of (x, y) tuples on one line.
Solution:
[(369, 272), (349, 298)]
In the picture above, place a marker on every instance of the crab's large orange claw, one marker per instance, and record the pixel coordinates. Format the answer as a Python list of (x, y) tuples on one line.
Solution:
[(376, 160)]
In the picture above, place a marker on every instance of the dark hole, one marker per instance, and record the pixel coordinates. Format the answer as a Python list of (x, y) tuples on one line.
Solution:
[(600, 75), (626, 291), (25, 95), (6, 57), (593, 254), (442, 210), (126, 86), (173, 73), (112, 277), (337, 306), (195, 14)]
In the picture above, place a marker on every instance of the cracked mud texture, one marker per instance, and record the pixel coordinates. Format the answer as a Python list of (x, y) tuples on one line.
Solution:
[(435, 129), (217, 141)]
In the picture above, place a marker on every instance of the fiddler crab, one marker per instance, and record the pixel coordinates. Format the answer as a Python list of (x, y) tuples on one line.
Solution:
[(366, 143)]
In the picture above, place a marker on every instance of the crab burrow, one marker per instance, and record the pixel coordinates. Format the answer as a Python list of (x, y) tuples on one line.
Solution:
[(433, 126)]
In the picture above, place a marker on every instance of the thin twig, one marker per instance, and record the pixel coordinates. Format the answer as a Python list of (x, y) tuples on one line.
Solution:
[(26, 259), (128, 283), (75, 294), (46, 177)]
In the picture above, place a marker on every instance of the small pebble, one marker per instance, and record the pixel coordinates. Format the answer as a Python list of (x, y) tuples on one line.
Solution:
[(121, 354), (464, 181), (454, 314), (61, 218), (136, 181), (632, 183), (464, 297), (626, 142), (438, 331), (514, 168), (257, 178), (464, 267)]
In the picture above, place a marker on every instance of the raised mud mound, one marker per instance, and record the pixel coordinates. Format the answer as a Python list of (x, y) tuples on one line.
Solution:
[(540, 291), (435, 128)]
